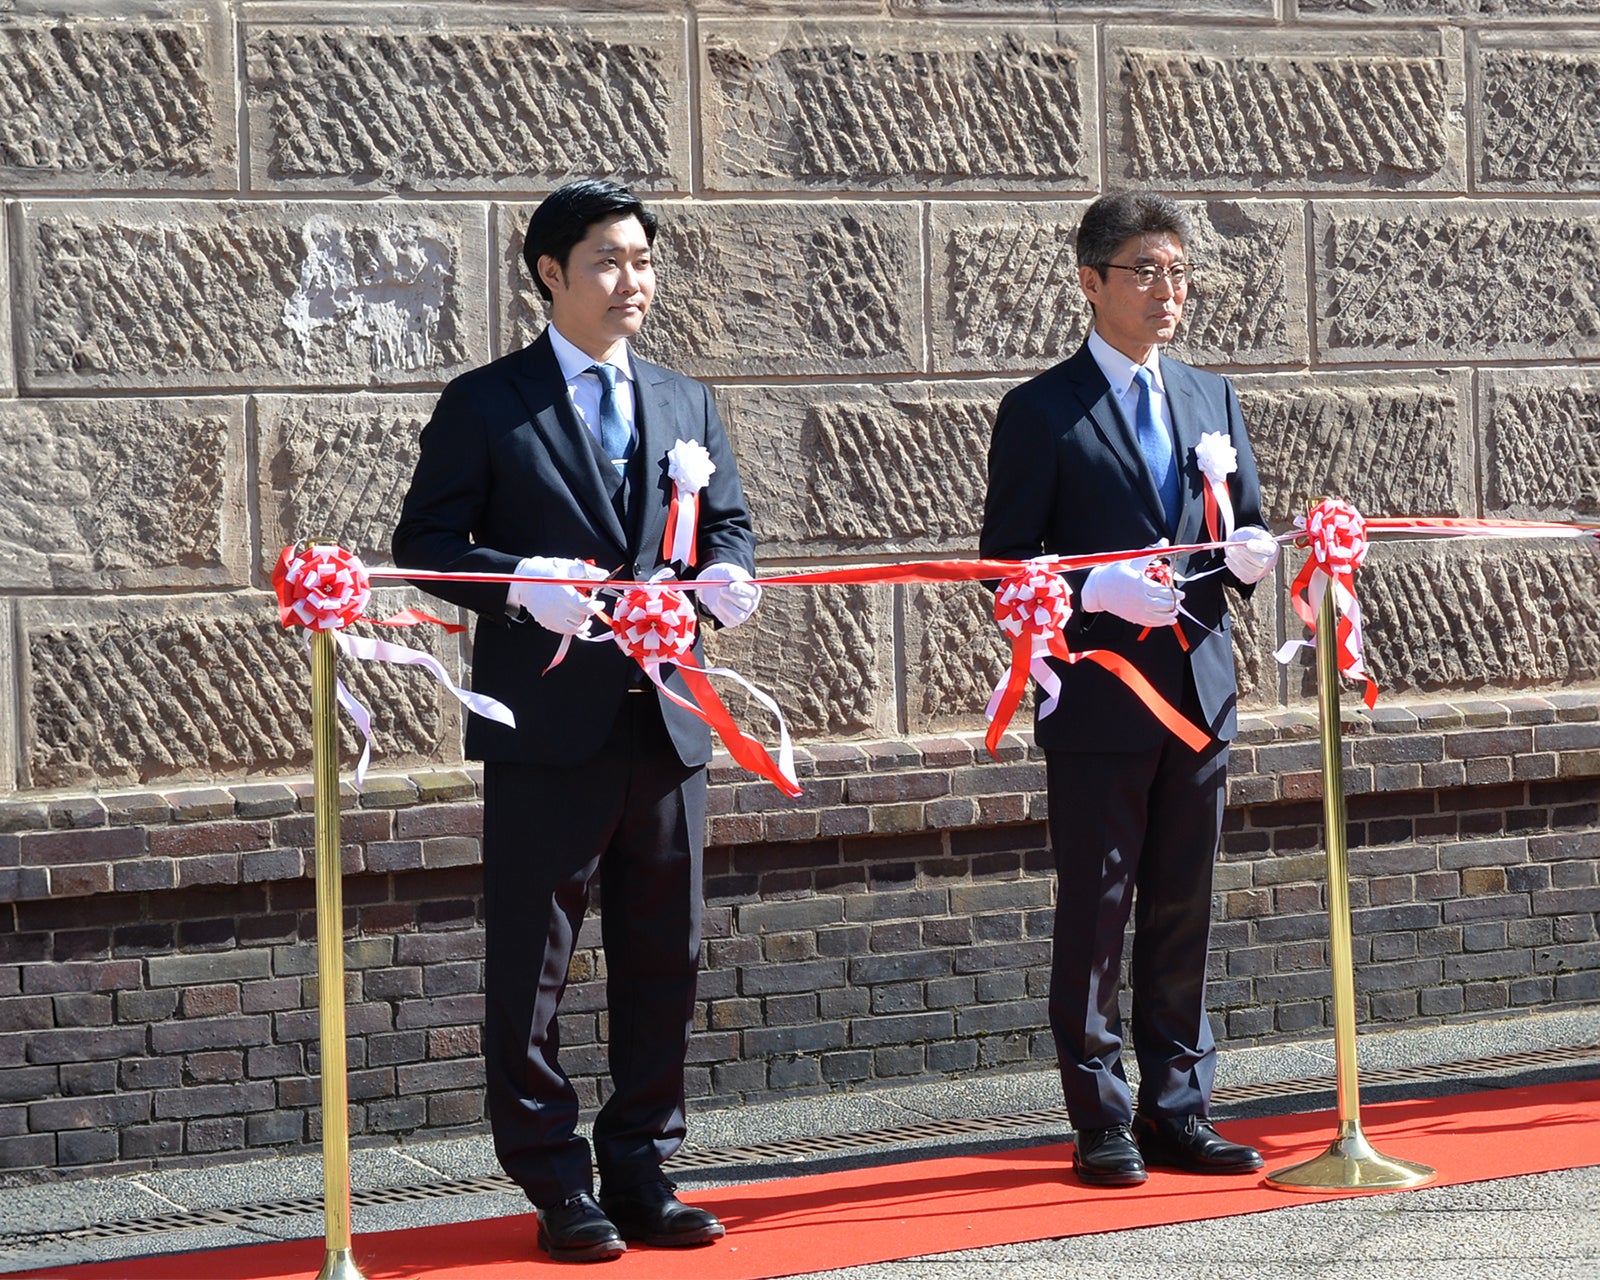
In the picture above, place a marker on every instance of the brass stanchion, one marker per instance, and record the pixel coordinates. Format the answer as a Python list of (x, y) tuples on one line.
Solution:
[(338, 1263), (1350, 1163)]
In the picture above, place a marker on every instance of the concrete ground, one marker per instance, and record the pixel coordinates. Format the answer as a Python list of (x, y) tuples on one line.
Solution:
[(1540, 1227)]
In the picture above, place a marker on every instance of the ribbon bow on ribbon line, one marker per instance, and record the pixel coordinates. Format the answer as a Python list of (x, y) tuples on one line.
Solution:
[(1032, 607), (655, 626), (323, 587), (1337, 535)]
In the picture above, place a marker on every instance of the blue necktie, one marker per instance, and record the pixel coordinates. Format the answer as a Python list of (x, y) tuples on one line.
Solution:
[(1156, 446), (614, 434)]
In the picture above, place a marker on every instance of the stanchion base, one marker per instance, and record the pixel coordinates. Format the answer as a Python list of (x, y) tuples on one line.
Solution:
[(338, 1264), (1350, 1164)]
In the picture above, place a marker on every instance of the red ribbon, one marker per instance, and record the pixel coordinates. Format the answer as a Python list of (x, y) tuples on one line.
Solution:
[(655, 625), (1032, 608), (1338, 538)]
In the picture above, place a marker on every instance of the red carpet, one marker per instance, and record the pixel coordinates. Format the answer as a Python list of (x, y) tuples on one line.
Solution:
[(818, 1223)]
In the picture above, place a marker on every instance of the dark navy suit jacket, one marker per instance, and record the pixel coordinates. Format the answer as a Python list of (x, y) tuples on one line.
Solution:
[(507, 470), (1066, 476)]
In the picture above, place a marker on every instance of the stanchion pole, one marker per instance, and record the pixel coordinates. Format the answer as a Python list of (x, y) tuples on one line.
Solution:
[(1350, 1163), (338, 1263)]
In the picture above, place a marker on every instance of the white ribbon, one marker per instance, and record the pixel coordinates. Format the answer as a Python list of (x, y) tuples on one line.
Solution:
[(366, 649)]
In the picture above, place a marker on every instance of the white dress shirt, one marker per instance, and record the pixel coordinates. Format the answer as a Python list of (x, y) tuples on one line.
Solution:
[(583, 387), (1120, 373)]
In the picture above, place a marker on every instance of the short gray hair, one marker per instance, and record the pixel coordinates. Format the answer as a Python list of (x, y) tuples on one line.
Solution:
[(1114, 219)]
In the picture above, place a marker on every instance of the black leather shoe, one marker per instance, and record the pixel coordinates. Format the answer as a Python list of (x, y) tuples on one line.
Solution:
[(1108, 1157), (1191, 1144), (576, 1231), (651, 1214)]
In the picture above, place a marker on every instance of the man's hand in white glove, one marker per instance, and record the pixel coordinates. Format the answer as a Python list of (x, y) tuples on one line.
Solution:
[(1250, 554), (553, 606), (1126, 589), (733, 603)]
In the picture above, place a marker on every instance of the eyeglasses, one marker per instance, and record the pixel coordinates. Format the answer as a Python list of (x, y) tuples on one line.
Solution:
[(1146, 274)]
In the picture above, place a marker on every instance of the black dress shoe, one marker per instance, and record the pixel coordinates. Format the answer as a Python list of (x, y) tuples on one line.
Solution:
[(1107, 1157), (576, 1231), (1191, 1144), (651, 1214)]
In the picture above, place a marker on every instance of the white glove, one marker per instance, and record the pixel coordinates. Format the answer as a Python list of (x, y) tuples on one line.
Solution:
[(561, 609), (1125, 589), (1250, 554), (732, 604)]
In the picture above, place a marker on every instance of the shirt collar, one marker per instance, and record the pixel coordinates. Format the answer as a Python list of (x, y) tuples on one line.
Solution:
[(575, 362), (1120, 370)]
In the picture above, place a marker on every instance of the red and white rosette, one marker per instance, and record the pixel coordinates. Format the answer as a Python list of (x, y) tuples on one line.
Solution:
[(324, 587), (690, 467), (1032, 607), (321, 587), (1217, 459), (655, 625), (1338, 539)]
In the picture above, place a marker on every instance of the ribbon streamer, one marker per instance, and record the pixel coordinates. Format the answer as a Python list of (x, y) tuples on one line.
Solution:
[(324, 587), (691, 468), (655, 625), (1338, 539), (1032, 608)]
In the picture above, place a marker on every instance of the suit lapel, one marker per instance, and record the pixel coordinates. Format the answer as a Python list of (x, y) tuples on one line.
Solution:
[(544, 391), (656, 418), (1186, 427), (1113, 425)]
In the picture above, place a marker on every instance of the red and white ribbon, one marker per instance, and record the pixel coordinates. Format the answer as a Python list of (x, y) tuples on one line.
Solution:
[(690, 467), (1217, 460), (1338, 538), (655, 625), (323, 587), (1032, 607)]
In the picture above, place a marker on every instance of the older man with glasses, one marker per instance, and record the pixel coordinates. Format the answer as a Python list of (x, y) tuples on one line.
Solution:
[(1102, 453)]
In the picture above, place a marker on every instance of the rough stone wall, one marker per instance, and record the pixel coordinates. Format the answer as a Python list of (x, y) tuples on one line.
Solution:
[(245, 242)]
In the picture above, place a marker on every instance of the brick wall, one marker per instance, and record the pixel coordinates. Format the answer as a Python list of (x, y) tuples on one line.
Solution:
[(157, 988)]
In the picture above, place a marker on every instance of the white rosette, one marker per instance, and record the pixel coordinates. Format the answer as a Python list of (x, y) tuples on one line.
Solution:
[(1217, 460), (690, 467)]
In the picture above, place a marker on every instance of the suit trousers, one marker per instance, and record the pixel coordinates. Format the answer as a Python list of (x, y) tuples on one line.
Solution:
[(1134, 830), (632, 816)]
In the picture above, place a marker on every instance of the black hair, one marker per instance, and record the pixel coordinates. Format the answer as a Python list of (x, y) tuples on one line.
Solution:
[(565, 215), (1114, 219)]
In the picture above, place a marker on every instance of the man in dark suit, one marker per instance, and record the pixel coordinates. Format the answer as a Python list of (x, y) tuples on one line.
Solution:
[(1098, 454), (552, 463)]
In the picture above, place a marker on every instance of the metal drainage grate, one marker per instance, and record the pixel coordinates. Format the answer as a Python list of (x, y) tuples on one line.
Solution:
[(799, 1148)]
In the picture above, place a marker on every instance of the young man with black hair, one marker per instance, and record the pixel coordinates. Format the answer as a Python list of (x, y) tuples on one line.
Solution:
[(1100, 454), (552, 463)]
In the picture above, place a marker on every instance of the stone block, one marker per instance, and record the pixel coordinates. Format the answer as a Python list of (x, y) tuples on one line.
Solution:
[(869, 469), (1057, 8), (122, 95), (1388, 443), (1539, 103), (824, 654), (1363, 11), (336, 466), (463, 97), (1006, 295), (124, 494), (1201, 109), (1541, 443), (8, 370), (1449, 617), (173, 293), (918, 106), (131, 691), (762, 288), (1457, 281)]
